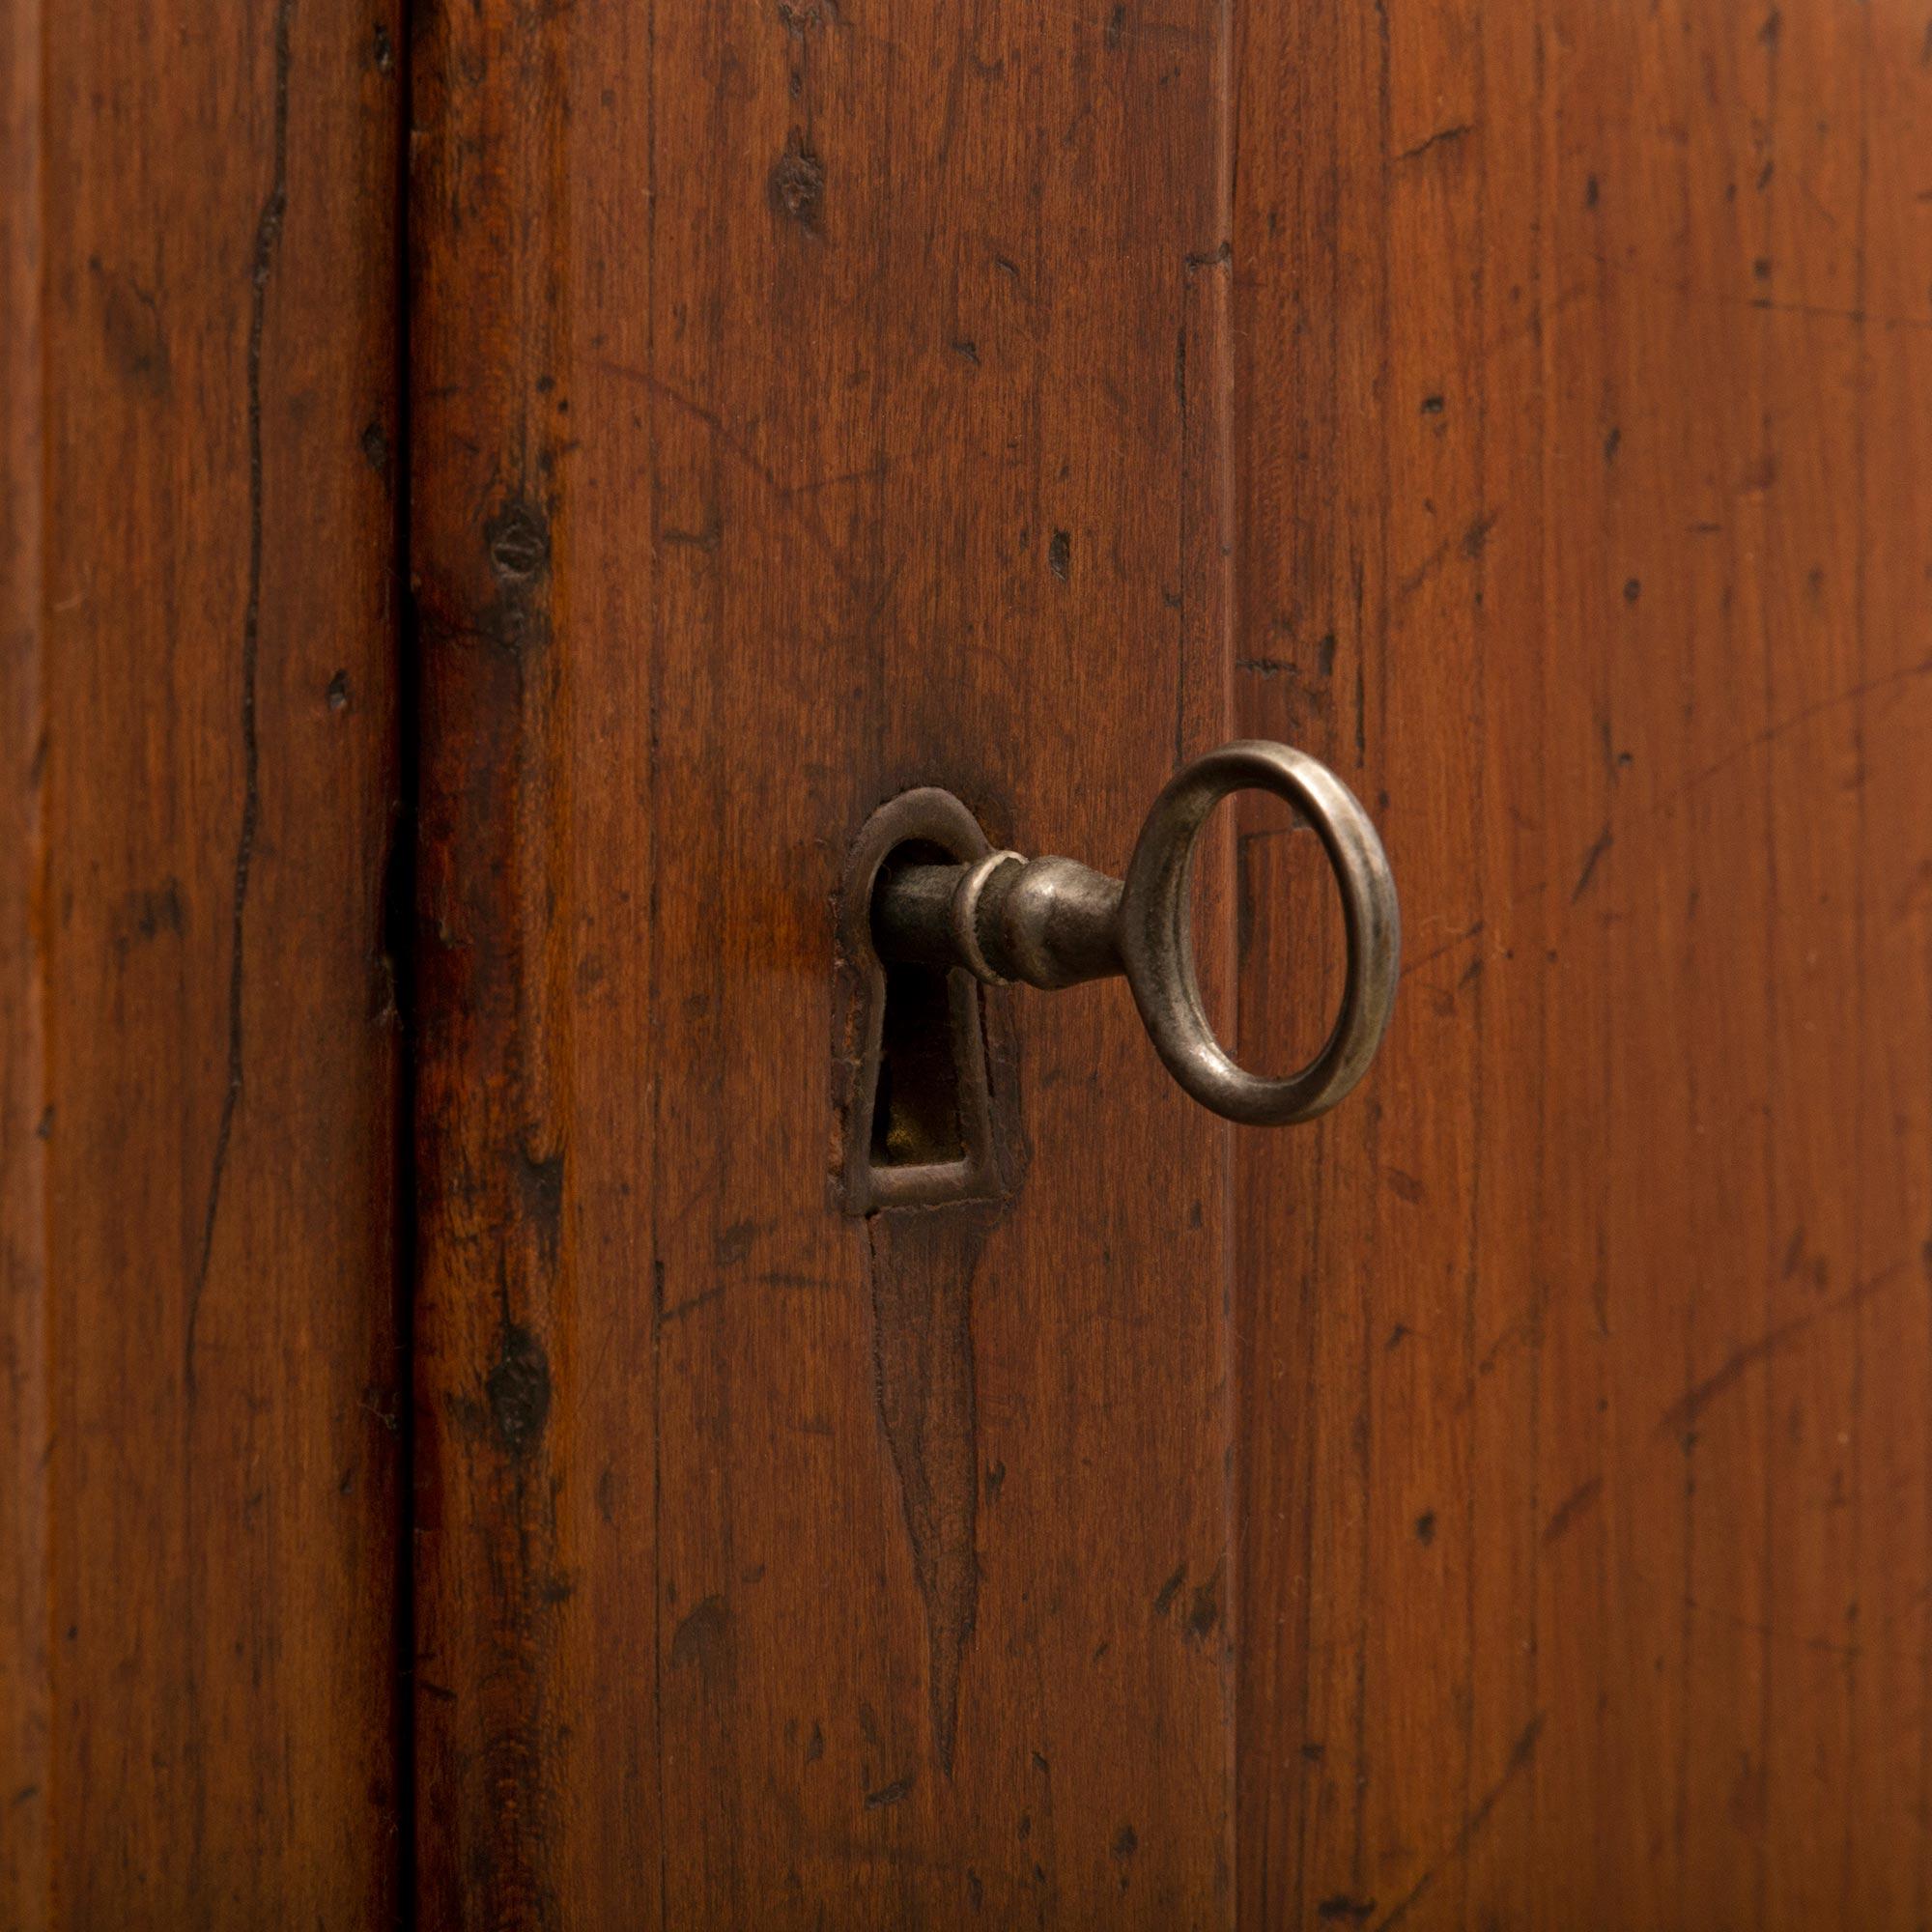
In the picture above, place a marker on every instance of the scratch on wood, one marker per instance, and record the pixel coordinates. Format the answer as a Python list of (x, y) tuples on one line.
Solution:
[(1470, 544), (871, 588), (1442, 137), (1169, 1590), (1591, 860), (921, 1264), (1520, 1756), (267, 238), (1771, 733), (1683, 1413), (1573, 1505)]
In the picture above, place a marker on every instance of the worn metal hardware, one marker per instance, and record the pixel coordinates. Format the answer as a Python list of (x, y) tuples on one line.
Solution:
[(921, 1126), (1053, 922)]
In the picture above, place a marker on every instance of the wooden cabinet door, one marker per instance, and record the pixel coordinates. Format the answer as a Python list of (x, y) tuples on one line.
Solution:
[(1504, 1503), (203, 1394), (497, 495), (1583, 397), (807, 405)]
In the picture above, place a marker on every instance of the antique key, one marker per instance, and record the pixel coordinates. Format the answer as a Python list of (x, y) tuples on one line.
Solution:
[(1053, 922)]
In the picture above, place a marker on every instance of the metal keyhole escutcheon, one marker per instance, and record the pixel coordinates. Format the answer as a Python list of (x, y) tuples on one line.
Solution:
[(1053, 922)]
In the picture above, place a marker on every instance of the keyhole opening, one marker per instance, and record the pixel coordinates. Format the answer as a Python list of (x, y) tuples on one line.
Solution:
[(920, 1127), (916, 1111)]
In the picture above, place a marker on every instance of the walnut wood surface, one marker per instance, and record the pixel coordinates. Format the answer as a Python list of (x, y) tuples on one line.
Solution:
[(198, 1371), (810, 401), (1584, 390), (1508, 1503)]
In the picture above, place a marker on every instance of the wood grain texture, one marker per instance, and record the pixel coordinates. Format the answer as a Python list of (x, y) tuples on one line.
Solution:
[(809, 402), (197, 681), (26, 1688), (1584, 381)]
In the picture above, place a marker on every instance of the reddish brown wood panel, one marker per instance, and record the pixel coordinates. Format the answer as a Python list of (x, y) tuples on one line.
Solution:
[(197, 1652), (25, 1687), (810, 401), (1585, 385)]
